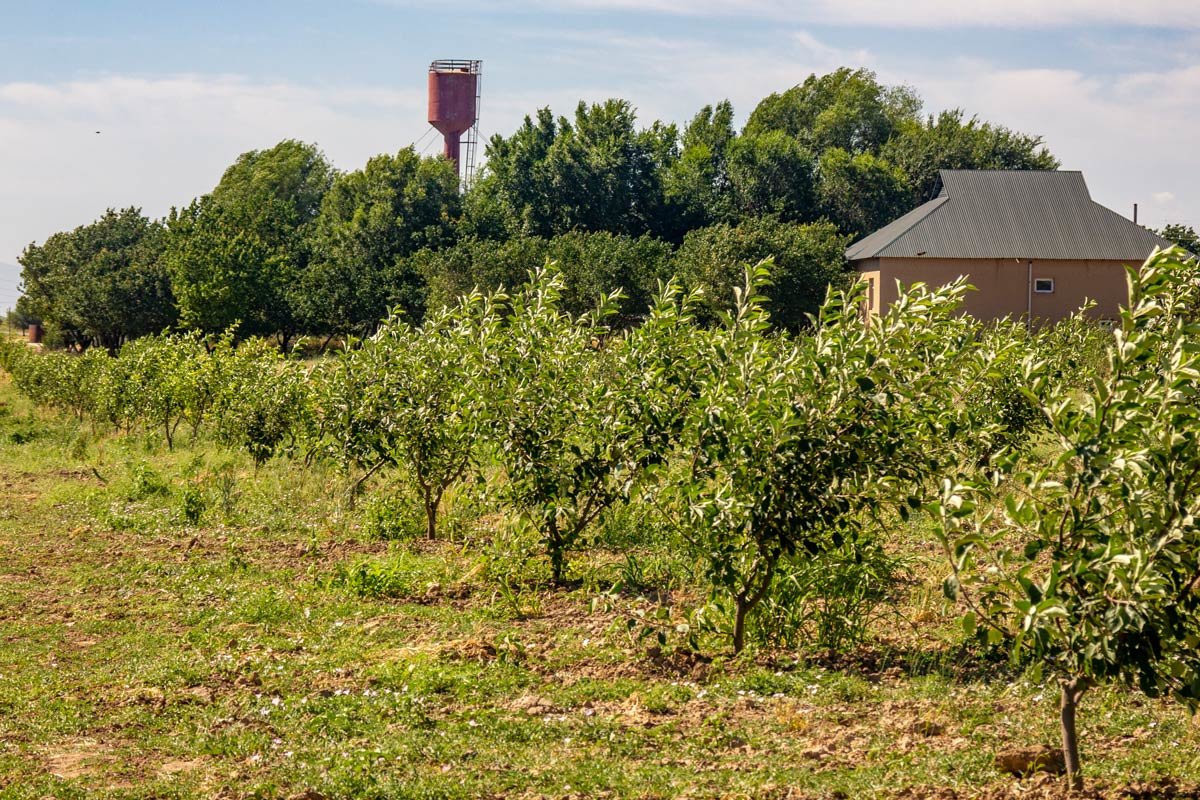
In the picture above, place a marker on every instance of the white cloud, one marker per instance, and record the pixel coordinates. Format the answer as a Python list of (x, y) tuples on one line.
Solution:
[(893, 13), (163, 141), (1132, 135), (669, 78), (1006, 13)]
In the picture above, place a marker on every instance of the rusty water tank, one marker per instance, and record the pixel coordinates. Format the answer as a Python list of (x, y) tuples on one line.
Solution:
[(453, 101), (35, 333)]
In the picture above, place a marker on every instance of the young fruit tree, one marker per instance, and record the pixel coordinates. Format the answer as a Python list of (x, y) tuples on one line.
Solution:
[(264, 404), (1087, 564), (794, 444), (418, 397), (582, 413)]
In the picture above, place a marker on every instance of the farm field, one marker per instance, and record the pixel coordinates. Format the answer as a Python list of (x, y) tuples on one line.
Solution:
[(186, 624)]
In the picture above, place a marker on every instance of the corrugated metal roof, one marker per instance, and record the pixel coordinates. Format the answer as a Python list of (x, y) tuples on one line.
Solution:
[(880, 239), (1020, 214)]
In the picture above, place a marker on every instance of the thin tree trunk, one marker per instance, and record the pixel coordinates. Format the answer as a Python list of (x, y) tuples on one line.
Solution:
[(558, 567), (1071, 692), (746, 601), (739, 623), (352, 492), (432, 501)]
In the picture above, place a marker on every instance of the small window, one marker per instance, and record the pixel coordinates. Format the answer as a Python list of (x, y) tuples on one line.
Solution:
[(1043, 285)]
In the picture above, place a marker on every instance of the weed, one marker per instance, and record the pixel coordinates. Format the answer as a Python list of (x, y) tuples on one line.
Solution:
[(143, 482), (392, 518), (401, 574), (831, 600), (192, 504), (225, 481)]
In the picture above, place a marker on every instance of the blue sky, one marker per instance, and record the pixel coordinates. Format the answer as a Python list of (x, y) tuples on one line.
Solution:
[(178, 89)]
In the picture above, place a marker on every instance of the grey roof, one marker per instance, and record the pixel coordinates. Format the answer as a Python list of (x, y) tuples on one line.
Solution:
[(1020, 214)]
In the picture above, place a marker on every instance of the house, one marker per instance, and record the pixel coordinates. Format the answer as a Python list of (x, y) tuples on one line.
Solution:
[(1032, 242)]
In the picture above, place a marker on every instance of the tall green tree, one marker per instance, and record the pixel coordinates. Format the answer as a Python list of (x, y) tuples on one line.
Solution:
[(697, 185), (845, 108), (772, 173), (921, 148), (102, 283), (369, 220), (595, 172), (233, 254), (860, 193), (1183, 235)]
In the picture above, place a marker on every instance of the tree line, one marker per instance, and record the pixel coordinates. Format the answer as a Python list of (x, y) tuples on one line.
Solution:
[(285, 244)]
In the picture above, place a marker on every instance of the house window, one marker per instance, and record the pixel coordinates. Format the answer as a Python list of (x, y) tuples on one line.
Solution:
[(1043, 285)]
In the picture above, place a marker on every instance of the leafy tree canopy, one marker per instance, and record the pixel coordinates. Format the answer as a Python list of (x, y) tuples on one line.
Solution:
[(233, 254), (595, 172), (846, 108), (588, 265), (861, 193), (947, 142), (368, 220), (1183, 235), (101, 283), (807, 260)]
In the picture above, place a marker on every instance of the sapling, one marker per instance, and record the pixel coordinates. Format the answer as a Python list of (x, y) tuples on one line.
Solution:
[(1087, 564)]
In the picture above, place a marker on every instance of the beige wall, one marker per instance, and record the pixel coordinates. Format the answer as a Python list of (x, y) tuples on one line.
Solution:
[(872, 279), (1003, 284)]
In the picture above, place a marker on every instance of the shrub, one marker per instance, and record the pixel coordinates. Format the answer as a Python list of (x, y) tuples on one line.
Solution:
[(416, 397), (830, 600)]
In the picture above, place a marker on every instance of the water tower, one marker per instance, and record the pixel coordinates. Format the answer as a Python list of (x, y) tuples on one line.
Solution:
[(454, 88)]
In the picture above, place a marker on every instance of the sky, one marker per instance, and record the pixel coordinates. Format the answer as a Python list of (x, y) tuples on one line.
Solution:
[(115, 103)]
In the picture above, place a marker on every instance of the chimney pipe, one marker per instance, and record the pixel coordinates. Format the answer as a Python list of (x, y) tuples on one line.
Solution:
[(1135, 213)]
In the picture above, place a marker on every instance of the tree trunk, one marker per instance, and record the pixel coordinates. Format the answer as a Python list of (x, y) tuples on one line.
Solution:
[(1071, 692), (739, 623), (748, 599), (558, 567), (432, 499)]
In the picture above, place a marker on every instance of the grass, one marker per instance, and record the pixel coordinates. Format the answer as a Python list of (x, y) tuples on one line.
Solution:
[(181, 624)]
